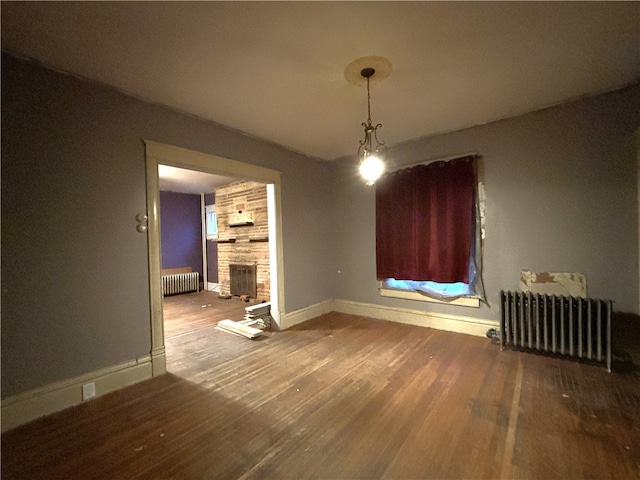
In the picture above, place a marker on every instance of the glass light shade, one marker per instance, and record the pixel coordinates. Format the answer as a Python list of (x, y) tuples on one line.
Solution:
[(371, 168)]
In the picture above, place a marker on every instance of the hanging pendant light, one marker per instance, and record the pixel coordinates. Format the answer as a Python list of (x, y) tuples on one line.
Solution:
[(372, 153), (372, 157)]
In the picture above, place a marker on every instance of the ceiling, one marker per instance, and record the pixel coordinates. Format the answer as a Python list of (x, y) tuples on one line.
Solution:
[(275, 70), (174, 179)]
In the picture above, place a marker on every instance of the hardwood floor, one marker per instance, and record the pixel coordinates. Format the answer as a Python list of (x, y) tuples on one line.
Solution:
[(341, 396), (194, 311)]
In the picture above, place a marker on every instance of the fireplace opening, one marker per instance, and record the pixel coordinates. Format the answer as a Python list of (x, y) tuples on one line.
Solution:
[(243, 280)]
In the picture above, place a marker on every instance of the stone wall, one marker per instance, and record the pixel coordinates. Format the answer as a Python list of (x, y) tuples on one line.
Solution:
[(251, 246)]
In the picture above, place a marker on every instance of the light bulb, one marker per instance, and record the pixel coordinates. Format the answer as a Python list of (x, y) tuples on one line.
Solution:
[(371, 168)]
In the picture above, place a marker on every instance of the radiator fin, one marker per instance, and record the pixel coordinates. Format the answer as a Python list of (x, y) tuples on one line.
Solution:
[(180, 283), (572, 326)]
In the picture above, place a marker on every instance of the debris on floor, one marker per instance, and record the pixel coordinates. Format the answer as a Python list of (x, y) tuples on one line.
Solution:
[(258, 315), (256, 319), (239, 328)]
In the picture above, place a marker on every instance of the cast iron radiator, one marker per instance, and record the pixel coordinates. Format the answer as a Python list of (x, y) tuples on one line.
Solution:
[(572, 326), (180, 283)]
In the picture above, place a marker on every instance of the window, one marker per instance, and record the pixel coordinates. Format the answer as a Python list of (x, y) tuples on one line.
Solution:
[(211, 221), (428, 233)]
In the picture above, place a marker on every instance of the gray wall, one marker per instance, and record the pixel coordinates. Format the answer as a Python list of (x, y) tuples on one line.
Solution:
[(560, 196), (75, 288)]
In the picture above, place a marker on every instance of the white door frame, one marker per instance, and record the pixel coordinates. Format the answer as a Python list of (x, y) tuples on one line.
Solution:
[(158, 153)]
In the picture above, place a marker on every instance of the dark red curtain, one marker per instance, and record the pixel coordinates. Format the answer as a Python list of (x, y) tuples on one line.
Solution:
[(425, 222)]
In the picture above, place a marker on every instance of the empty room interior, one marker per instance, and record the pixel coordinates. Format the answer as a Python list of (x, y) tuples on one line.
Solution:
[(329, 240)]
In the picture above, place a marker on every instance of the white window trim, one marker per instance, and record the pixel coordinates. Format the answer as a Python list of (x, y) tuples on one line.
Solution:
[(210, 209), (413, 295)]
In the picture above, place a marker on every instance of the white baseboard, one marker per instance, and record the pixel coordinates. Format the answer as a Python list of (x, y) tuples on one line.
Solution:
[(288, 320), (440, 321), (27, 406)]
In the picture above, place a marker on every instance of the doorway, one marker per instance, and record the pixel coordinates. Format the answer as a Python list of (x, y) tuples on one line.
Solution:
[(157, 154)]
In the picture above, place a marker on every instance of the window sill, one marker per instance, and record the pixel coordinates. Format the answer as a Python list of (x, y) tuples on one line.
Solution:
[(408, 295)]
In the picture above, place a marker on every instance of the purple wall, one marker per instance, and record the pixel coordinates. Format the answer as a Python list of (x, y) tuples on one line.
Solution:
[(181, 231)]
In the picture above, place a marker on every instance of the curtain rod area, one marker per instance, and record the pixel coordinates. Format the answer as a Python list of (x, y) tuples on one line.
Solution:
[(440, 159)]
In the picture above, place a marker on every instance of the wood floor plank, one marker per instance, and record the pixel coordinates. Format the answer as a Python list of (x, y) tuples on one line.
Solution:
[(340, 397)]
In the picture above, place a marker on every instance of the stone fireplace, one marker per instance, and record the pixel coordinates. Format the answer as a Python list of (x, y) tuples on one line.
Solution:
[(243, 240)]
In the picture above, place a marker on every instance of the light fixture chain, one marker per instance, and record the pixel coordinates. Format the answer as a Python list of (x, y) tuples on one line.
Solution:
[(368, 102)]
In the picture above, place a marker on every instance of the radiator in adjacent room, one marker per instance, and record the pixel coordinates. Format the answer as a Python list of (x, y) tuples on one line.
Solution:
[(180, 283), (573, 326)]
